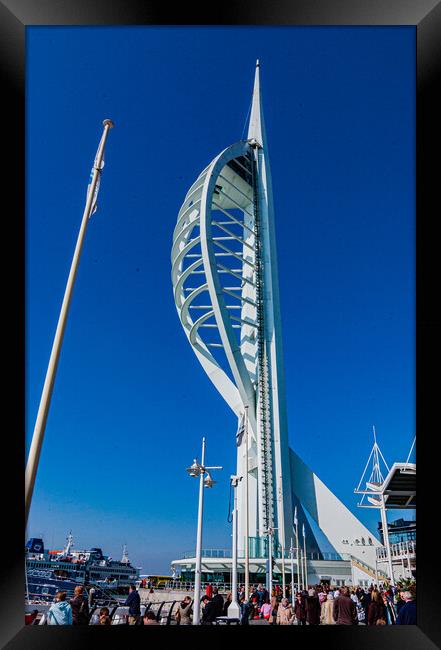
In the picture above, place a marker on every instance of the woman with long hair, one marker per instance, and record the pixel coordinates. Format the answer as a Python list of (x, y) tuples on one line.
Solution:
[(376, 609)]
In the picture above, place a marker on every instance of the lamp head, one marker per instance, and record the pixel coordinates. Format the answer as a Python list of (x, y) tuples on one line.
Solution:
[(208, 481), (195, 469)]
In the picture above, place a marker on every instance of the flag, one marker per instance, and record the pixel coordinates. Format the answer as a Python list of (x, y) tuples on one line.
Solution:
[(295, 517), (240, 430), (303, 530), (97, 186)]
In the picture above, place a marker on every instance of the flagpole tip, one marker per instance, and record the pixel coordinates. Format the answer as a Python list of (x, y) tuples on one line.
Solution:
[(109, 123)]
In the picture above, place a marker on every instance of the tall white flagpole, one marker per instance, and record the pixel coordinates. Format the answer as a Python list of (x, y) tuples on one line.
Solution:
[(292, 571), (40, 424), (247, 565)]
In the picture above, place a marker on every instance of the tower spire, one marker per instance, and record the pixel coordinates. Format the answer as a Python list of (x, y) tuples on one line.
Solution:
[(256, 128)]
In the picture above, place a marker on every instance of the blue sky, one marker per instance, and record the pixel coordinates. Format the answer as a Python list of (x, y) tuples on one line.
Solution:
[(131, 402)]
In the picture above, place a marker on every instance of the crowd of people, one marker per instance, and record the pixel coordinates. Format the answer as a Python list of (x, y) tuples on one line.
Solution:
[(319, 605)]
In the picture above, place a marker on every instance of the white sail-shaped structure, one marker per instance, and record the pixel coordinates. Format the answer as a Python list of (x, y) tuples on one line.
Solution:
[(225, 283)]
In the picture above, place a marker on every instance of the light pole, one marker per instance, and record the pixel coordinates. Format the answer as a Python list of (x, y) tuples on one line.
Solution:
[(234, 609), (270, 532), (305, 557), (291, 550), (386, 539), (199, 469), (247, 516)]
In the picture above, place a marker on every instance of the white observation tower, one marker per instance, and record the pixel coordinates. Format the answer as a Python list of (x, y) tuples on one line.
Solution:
[(225, 283)]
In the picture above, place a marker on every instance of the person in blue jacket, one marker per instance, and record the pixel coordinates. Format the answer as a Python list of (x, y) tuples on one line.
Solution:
[(134, 603), (407, 613), (60, 613)]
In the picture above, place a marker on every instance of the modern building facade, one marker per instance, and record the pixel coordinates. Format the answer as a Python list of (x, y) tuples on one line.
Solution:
[(226, 290), (400, 530)]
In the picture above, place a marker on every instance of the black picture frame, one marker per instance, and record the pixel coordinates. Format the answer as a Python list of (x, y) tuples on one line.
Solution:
[(425, 15)]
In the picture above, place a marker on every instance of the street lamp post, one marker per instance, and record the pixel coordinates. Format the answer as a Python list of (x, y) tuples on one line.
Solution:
[(199, 470), (234, 609), (270, 532), (291, 550)]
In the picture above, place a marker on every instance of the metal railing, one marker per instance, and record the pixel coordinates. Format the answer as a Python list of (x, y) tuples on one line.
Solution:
[(164, 613), (398, 551), (259, 552)]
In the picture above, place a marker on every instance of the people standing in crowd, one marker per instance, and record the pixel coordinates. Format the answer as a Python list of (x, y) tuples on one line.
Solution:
[(104, 616), (266, 610), (254, 605), (274, 602), (365, 600), (149, 618), (184, 612), (60, 612), (91, 596), (80, 607), (388, 607), (285, 614), (400, 602), (344, 611), (133, 602), (217, 601), (262, 594), (300, 609), (312, 608), (376, 610), (326, 617), (227, 603), (244, 607), (407, 613), (209, 590), (208, 611)]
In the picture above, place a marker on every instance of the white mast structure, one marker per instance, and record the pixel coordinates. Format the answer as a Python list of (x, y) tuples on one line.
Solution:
[(376, 479), (225, 284), (69, 544), (125, 555), (225, 238)]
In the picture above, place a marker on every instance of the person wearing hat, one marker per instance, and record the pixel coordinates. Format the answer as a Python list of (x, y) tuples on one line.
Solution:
[(209, 612)]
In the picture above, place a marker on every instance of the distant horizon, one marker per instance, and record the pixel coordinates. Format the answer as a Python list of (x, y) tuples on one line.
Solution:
[(131, 402)]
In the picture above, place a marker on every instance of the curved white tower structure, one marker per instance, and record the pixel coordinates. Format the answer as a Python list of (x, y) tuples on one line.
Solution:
[(225, 283)]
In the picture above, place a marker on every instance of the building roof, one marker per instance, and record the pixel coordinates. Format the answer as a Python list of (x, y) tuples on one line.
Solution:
[(398, 488)]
